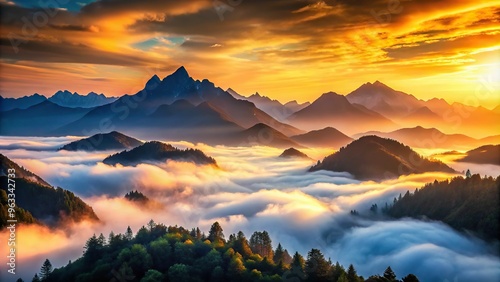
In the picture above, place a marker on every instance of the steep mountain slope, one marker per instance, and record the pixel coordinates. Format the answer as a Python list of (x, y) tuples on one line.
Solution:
[(376, 158), (154, 151), (103, 141), (75, 100), (326, 137), (334, 110), (39, 202), (7, 104)]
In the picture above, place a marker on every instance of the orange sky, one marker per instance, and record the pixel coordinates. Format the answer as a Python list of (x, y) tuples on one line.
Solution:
[(285, 49)]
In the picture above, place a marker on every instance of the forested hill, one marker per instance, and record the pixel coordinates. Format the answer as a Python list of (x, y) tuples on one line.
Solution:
[(158, 253), (155, 151), (375, 158), (35, 200), (470, 203)]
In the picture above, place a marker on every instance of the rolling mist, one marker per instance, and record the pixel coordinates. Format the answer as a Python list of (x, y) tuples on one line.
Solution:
[(251, 190)]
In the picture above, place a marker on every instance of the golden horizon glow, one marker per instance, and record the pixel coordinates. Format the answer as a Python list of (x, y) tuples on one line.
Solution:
[(293, 51)]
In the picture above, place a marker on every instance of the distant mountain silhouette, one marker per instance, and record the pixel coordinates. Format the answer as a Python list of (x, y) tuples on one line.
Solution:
[(488, 154), (263, 135), (327, 137), (155, 151), (294, 106), (384, 100), (421, 137), (103, 141), (376, 158), (293, 153), (332, 109), (272, 107), (7, 104), (476, 121), (75, 100), (39, 120), (37, 201)]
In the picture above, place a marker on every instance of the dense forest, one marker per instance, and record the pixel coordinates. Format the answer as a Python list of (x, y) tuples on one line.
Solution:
[(158, 253), (471, 203)]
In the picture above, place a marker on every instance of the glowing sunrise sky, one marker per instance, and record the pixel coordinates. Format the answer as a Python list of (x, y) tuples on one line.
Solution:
[(284, 49)]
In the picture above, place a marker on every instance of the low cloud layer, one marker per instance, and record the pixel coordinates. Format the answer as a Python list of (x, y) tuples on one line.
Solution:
[(253, 190)]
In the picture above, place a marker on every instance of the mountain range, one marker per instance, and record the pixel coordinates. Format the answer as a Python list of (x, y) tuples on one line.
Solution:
[(62, 98), (179, 107), (273, 107), (75, 100), (421, 137), (7, 104), (376, 158)]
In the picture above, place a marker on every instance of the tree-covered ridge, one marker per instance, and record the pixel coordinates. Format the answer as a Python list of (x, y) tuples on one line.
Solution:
[(36, 201), (376, 158), (155, 151), (20, 172), (158, 253), (471, 203), (103, 141), (488, 154), (39, 203)]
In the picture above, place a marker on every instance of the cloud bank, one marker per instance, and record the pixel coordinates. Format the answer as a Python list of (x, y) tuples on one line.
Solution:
[(253, 190)]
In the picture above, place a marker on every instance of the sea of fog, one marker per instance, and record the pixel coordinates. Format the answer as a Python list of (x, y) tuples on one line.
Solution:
[(251, 190)]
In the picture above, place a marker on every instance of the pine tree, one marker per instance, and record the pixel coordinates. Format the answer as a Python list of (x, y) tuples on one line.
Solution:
[(389, 274), (215, 234), (128, 234), (101, 240), (35, 278), (279, 254), (298, 261), (317, 268), (45, 270), (151, 225), (352, 276)]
